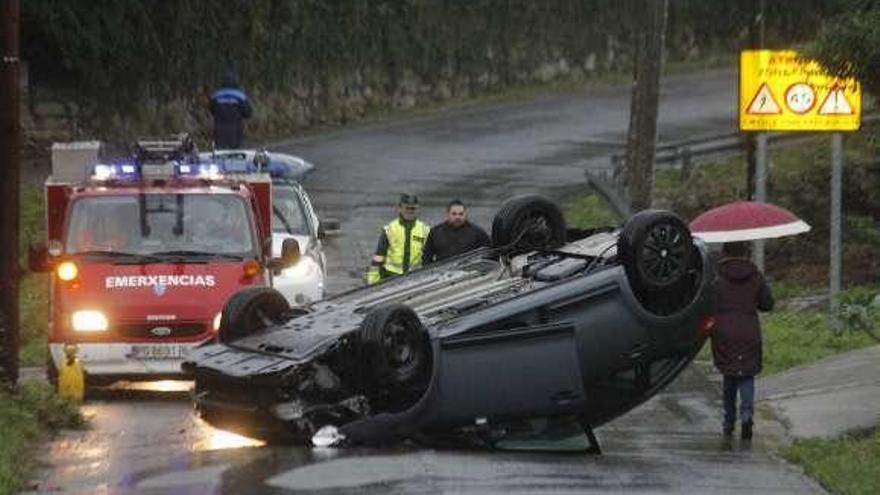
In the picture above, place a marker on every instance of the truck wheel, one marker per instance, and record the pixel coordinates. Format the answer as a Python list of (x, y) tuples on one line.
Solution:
[(527, 223), (250, 310), (655, 248), (395, 352)]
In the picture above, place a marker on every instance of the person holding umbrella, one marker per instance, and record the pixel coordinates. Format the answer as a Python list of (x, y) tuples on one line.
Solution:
[(742, 291), (736, 338)]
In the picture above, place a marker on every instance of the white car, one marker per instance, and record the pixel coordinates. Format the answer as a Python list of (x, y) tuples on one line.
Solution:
[(294, 217), (271, 162)]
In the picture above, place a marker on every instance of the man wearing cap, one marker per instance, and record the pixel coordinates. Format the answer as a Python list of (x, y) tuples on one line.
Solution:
[(400, 243)]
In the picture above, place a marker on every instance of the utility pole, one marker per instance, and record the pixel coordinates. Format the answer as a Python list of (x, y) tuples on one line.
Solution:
[(10, 139), (761, 160), (642, 137), (756, 41)]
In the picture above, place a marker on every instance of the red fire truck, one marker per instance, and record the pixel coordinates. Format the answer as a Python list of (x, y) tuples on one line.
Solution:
[(144, 252)]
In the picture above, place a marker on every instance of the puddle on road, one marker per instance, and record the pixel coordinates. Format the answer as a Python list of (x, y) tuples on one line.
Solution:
[(214, 439)]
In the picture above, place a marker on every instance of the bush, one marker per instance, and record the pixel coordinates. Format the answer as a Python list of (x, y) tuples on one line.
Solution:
[(33, 411)]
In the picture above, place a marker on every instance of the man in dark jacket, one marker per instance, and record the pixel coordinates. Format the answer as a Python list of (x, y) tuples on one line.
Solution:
[(456, 235), (230, 107), (736, 339)]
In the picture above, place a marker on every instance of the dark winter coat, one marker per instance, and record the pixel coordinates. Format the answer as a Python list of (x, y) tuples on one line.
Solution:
[(736, 338), (446, 241), (230, 107)]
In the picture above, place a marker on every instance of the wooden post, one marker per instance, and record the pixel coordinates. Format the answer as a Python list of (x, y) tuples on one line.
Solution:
[(10, 139)]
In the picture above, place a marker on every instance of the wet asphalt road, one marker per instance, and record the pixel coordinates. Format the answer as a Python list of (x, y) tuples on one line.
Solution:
[(151, 443)]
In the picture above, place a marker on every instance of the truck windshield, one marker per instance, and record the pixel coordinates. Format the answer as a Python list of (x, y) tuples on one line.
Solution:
[(156, 224), (288, 216)]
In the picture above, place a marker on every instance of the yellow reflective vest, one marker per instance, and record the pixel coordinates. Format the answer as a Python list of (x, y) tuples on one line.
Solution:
[(396, 255)]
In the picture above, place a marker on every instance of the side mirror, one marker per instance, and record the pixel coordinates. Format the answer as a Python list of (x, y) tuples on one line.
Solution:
[(328, 226), (38, 258), (290, 254)]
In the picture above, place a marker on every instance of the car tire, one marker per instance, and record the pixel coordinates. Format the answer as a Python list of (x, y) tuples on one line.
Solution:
[(656, 250), (250, 310), (395, 355), (528, 223)]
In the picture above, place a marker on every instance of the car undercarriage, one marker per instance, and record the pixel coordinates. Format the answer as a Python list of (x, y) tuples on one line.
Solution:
[(550, 322)]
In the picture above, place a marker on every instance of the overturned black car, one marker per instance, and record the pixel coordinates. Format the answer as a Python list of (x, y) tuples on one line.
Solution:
[(550, 322)]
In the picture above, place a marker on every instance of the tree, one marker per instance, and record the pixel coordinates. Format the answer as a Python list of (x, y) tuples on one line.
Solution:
[(849, 45), (642, 137)]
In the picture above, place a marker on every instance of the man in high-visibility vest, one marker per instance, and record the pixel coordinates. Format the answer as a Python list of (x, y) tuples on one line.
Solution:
[(400, 243)]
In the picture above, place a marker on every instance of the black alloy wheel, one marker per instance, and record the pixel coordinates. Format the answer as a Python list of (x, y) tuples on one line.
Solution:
[(528, 223), (395, 354), (664, 254), (251, 310)]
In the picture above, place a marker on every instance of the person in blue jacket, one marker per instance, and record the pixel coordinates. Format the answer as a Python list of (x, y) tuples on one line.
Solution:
[(230, 107)]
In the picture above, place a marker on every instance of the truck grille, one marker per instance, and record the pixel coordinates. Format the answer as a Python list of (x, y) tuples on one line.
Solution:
[(159, 331)]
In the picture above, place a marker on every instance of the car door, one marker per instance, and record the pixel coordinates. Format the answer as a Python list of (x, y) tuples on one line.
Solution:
[(314, 223)]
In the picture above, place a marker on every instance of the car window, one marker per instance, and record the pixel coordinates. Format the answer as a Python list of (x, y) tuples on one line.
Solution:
[(288, 215)]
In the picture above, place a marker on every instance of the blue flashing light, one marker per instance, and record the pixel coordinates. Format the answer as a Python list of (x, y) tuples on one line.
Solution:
[(199, 170), (116, 171)]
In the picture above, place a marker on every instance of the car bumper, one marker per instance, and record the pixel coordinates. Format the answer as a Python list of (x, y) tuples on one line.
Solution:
[(124, 359)]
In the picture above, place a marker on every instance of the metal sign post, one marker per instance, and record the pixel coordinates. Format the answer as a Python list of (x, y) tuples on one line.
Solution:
[(781, 91), (835, 233), (760, 192)]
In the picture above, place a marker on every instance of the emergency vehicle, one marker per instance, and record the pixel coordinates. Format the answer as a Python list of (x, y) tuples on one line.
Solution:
[(144, 252)]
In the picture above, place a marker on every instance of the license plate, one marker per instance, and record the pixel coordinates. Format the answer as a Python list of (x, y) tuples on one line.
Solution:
[(158, 351)]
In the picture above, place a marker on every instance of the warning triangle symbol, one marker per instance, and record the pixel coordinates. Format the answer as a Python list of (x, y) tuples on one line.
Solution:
[(763, 103), (836, 104)]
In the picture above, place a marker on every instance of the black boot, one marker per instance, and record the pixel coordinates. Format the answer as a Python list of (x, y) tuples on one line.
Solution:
[(728, 430), (746, 432)]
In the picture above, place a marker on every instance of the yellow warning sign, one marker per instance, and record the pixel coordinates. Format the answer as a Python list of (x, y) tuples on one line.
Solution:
[(836, 103), (778, 91), (763, 103)]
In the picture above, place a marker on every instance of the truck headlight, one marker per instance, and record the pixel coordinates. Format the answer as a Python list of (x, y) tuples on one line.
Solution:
[(305, 267), (89, 321), (216, 323)]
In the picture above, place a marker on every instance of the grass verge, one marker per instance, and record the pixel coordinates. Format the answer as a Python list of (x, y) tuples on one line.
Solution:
[(847, 466), (792, 339), (26, 416), (33, 293)]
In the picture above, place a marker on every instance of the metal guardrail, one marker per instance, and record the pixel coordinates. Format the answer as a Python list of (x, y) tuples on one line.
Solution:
[(606, 180)]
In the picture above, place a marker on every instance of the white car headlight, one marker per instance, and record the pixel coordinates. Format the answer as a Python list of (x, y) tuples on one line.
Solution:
[(89, 320), (216, 323), (305, 267)]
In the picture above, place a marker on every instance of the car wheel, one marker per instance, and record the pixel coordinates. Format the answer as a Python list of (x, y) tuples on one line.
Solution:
[(655, 248), (395, 354), (527, 223), (250, 310)]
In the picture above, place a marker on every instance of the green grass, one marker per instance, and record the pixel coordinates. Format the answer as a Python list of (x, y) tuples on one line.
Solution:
[(589, 210), (25, 417), (33, 287), (847, 466), (793, 339)]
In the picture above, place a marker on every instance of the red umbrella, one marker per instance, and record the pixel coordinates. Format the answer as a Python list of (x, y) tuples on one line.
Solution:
[(746, 221)]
